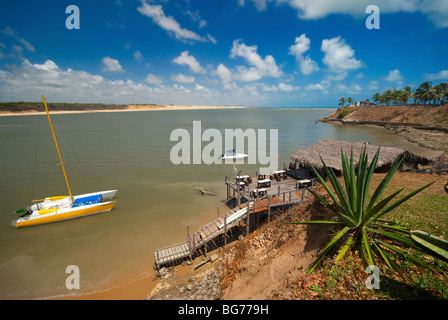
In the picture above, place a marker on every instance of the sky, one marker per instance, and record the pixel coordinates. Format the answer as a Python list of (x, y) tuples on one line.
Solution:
[(266, 53)]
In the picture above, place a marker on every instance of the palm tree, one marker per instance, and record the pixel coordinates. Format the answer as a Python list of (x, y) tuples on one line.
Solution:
[(424, 91), (342, 101), (349, 100), (376, 98), (407, 94), (438, 92), (396, 96), (445, 91), (387, 96)]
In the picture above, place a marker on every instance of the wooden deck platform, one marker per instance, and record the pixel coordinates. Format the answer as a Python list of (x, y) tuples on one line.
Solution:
[(280, 194)]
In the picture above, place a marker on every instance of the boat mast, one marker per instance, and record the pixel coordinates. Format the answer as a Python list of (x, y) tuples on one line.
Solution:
[(57, 148)]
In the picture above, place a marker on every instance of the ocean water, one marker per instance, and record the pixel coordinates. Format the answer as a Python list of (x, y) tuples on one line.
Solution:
[(128, 151)]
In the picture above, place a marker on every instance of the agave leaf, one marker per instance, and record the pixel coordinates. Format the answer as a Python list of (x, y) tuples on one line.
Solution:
[(390, 263), (344, 249), (405, 254), (353, 196), (368, 248), (345, 171), (327, 249), (347, 219), (393, 236), (405, 198), (370, 213), (401, 229), (327, 188), (361, 177), (315, 222), (369, 176), (382, 186), (434, 244), (339, 191)]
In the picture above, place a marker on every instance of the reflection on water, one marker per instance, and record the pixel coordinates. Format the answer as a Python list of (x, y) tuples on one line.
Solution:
[(128, 151)]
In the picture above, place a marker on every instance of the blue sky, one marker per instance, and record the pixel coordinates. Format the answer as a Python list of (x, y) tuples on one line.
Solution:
[(276, 53)]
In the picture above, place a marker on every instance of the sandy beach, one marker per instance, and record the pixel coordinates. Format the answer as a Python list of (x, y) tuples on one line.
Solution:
[(131, 107)]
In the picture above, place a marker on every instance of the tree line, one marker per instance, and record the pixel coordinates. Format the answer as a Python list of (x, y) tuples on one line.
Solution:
[(425, 94), (39, 106)]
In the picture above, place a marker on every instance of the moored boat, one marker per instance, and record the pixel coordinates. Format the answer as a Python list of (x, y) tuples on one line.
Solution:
[(52, 209)]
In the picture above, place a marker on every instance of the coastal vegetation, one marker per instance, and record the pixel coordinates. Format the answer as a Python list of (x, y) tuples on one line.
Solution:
[(276, 244), (362, 224), (23, 106), (425, 94)]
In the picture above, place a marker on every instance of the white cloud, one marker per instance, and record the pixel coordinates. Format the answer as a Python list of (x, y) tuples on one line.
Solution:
[(28, 81), (196, 16), (186, 59), (155, 12), (10, 32), (138, 56), (266, 67), (224, 73), (286, 87), (435, 10), (441, 75), (153, 79), (339, 57), (183, 78), (111, 65), (394, 76), (302, 45)]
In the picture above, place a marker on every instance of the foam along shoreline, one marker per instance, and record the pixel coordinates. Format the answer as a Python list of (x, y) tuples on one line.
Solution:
[(129, 108)]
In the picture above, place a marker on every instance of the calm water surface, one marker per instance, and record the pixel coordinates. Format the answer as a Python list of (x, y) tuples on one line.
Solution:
[(128, 151)]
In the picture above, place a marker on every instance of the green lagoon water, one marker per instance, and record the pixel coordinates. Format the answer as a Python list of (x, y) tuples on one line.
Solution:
[(128, 151)]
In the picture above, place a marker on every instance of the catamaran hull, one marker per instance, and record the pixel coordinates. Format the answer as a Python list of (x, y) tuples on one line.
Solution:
[(37, 218)]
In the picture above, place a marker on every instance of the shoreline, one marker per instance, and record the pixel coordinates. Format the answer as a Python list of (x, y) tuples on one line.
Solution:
[(426, 126), (429, 138), (129, 108)]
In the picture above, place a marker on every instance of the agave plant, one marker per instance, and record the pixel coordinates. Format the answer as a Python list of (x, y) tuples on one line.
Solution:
[(359, 221)]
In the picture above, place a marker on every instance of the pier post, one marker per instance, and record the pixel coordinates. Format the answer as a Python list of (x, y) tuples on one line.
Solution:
[(225, 231), (269, 208), (248, 219)]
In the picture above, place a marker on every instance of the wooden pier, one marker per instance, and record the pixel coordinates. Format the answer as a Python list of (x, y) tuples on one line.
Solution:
[(280, 192)]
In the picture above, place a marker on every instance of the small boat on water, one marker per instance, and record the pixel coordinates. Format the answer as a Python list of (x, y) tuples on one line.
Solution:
[(232, 155), (52, 209)]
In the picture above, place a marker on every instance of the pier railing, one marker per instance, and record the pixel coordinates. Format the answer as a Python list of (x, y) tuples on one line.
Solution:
[(213, 223)]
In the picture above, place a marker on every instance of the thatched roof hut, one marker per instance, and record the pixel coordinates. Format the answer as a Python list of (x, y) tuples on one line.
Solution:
[(330, 151)]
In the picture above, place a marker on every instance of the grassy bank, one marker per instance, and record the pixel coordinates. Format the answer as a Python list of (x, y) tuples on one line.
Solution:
[(425, 115), (426, 211)]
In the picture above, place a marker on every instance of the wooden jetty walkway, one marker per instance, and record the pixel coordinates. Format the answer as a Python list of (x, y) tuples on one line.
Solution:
[(281, 192)]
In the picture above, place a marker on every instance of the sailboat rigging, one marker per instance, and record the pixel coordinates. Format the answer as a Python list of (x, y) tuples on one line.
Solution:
[(53, 209)]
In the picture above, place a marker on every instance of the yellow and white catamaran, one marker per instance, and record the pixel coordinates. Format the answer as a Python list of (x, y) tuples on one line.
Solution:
[(53, 209)]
